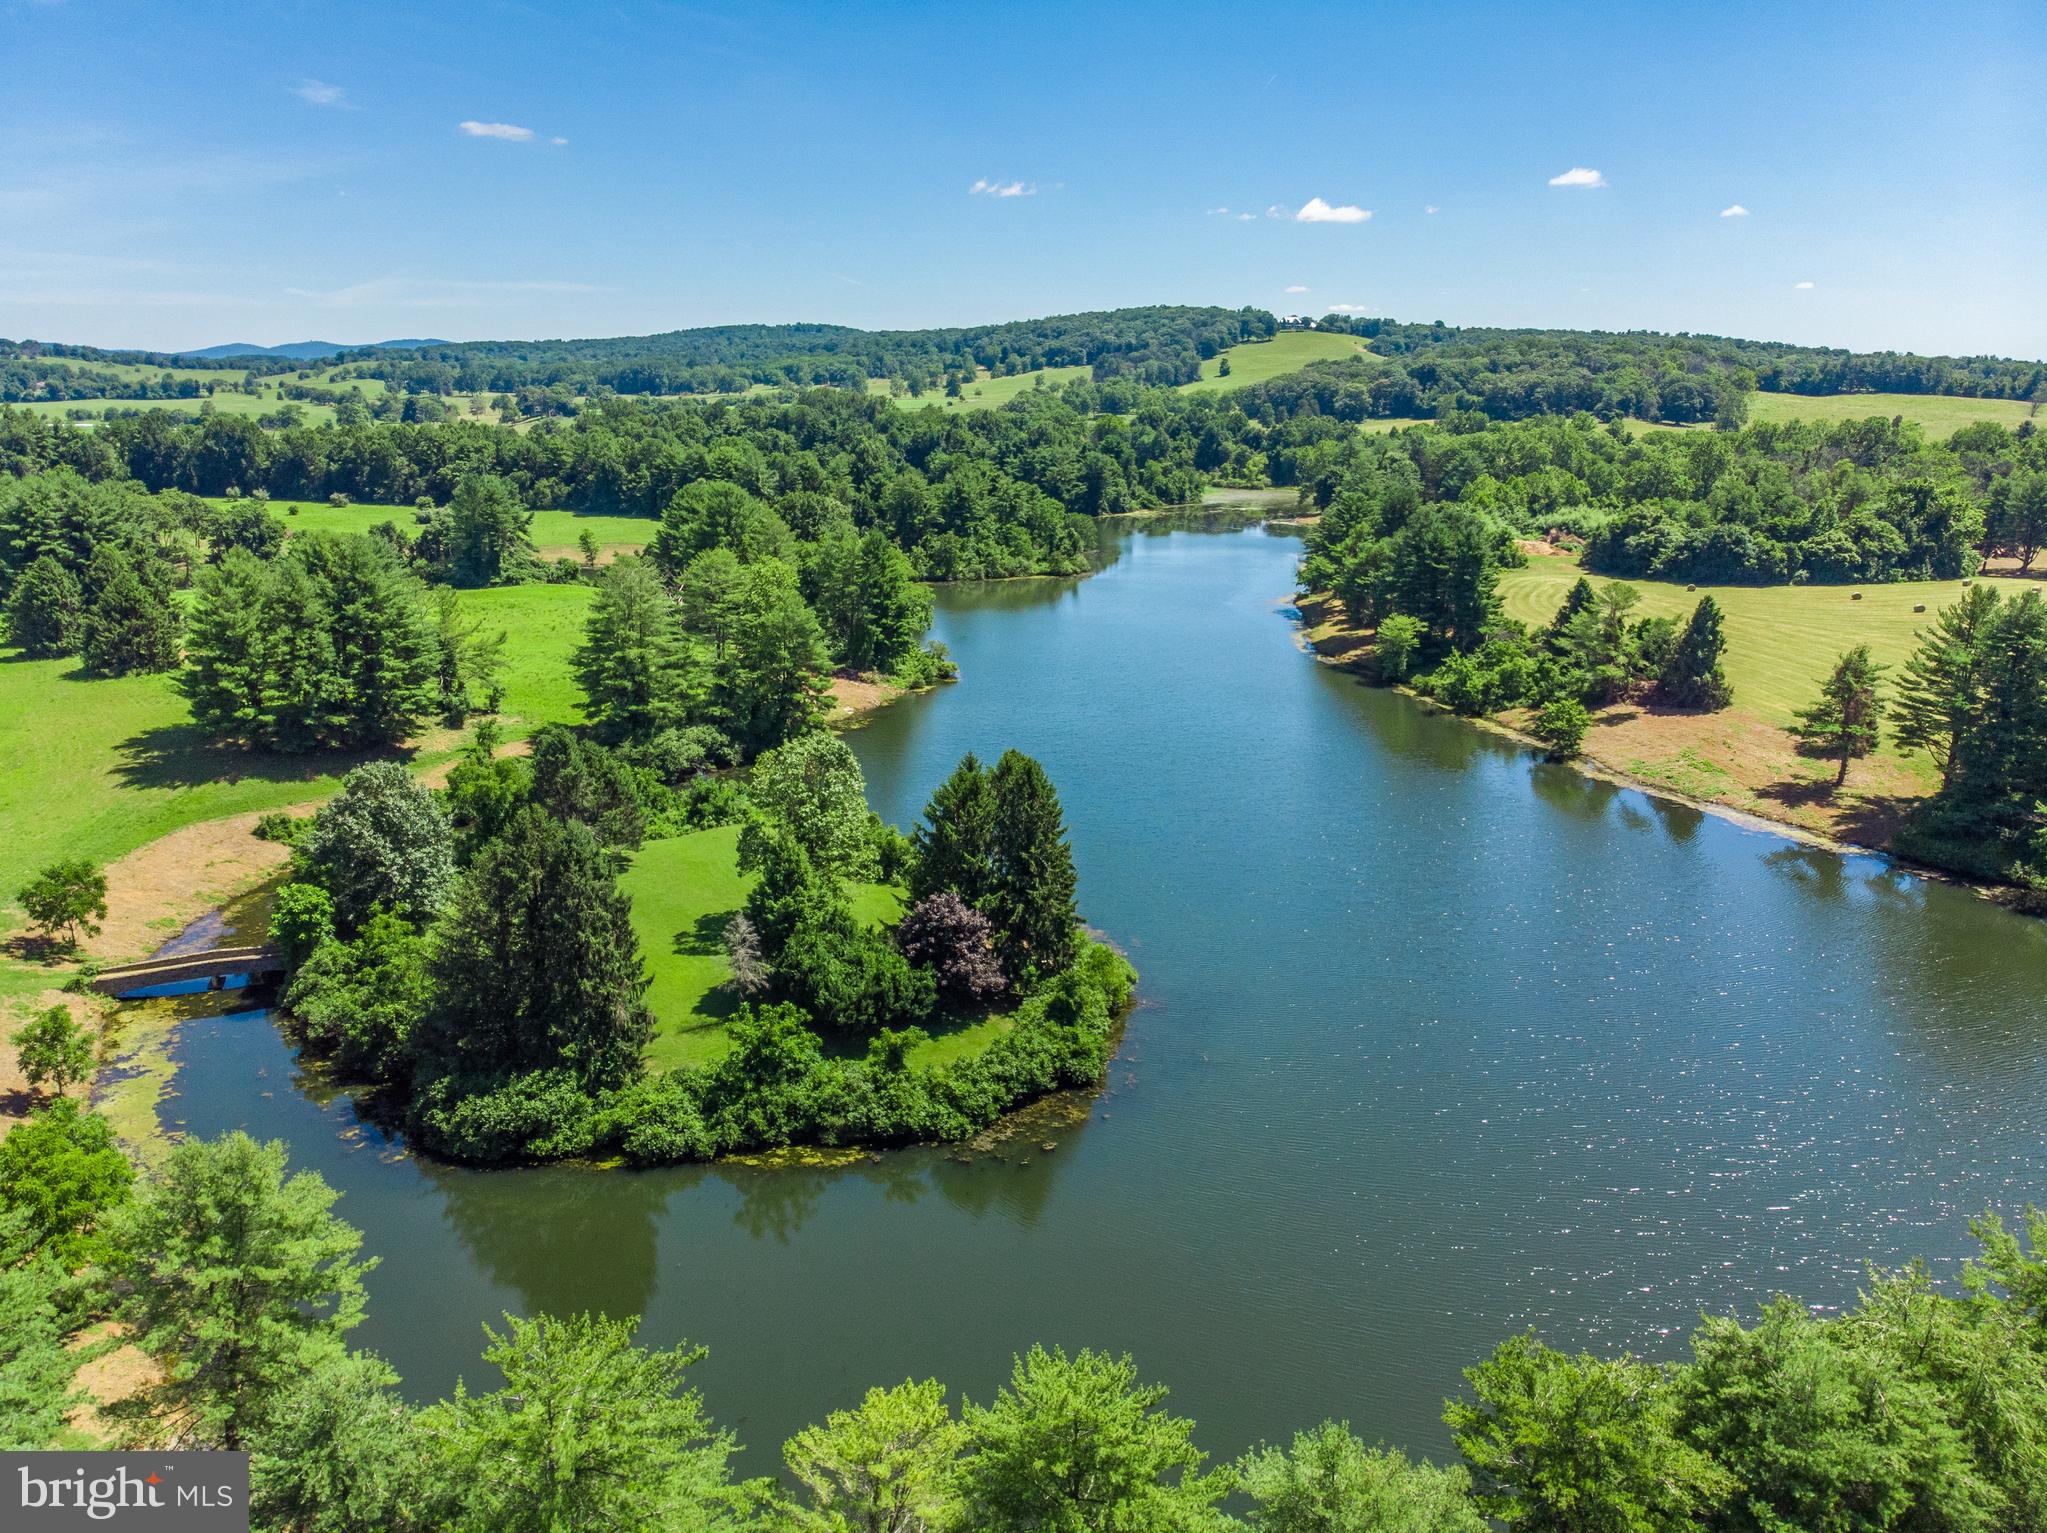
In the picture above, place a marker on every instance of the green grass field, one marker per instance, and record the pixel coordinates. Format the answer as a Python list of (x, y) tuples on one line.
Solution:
[(1781, 640), (987, 393), (554, 532), (1287, 352), (1940, 416), (684, 890), (95, 767)]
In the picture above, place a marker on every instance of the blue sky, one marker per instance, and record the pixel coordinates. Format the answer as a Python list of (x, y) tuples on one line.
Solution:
[(178, 175)]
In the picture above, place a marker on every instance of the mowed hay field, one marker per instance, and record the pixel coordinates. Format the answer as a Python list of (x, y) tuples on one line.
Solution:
[(1940, 416), (1781, 640), (97, 766), (1287, 352)]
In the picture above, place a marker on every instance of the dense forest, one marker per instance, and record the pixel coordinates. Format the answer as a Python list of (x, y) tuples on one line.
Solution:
[(1162, 345), (1920, 1406)]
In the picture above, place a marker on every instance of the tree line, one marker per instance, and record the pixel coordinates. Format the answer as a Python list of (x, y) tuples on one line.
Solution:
[(1919, 1407)]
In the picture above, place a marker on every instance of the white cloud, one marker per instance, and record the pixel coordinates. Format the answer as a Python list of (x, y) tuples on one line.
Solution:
[(557, 142), (986, 188), (1246, 218), (1432, 208), (319, 93), (1316, 211), (1297, 288), (1801, 285), (1578, 175), (1276, 211), (1347, 308), (1737, 211), (1217, 212), (505, 130)]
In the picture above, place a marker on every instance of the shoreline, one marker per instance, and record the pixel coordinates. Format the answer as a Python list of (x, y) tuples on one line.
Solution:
[(1320, 631)]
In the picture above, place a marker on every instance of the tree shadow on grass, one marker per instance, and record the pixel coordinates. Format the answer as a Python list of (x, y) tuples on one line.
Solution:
[(705, 938), (185, 756), (1866, 819)]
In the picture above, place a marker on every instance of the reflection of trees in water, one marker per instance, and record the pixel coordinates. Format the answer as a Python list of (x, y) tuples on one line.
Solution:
[(1013, 1178), (567, 1238), (1822, 874), (1681, 822), (1567, 789)]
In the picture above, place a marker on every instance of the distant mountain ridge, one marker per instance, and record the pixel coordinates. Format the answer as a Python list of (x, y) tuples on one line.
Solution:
[(299, 351)]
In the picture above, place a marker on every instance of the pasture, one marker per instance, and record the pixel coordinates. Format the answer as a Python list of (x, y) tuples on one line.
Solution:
[(97, 766), (1781, 640), (1287, 352), (1940, 416), (987, 393)]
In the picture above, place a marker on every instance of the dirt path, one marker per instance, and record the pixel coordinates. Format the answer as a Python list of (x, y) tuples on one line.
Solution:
[(157, 890)]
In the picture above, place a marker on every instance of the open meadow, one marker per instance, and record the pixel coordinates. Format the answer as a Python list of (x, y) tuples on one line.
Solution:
[(1258, 361)]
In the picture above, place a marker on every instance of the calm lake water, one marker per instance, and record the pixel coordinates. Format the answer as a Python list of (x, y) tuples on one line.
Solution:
[(1436, 1042)]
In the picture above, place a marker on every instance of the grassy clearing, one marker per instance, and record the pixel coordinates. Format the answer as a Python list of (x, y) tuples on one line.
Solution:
[(1287, 352), (987, 393), (95, 767), (684, 890), (554, 532), (1781, 640), (1940, 416)]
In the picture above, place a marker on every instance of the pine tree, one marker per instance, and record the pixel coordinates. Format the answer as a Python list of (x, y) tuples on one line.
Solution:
[(1576, 600), (637, 670), (46, 611), (1692, 677), (488, 542), (891, 611), (1843, 724), (536, 965), (771, 683), (1031, 899), (2004, 752), (956, 842), (130, 626), (226, 676), (1940, 692), (385, 679)]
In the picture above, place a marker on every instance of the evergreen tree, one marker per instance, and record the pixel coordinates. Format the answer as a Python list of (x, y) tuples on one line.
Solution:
[(771, 684), (301, 706), (1844, 723), (227, 675), (130, 625), (536, 965), (2003, 765), (1030, 899), (1692, 676), (488, 539), (955, 844), (46, 611), (1940, 692), (637, 670), (573, 779), (237, 1279), (1443, 568), (890, 610), (383, 685), (1579, 598)]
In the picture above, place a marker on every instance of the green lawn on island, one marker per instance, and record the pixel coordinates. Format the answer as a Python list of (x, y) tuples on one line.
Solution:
[(97, 766), (1287, 352), (1781, 640), (684, 890)]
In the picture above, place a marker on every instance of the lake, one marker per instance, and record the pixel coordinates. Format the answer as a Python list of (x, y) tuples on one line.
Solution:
[(1435, 1042)]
